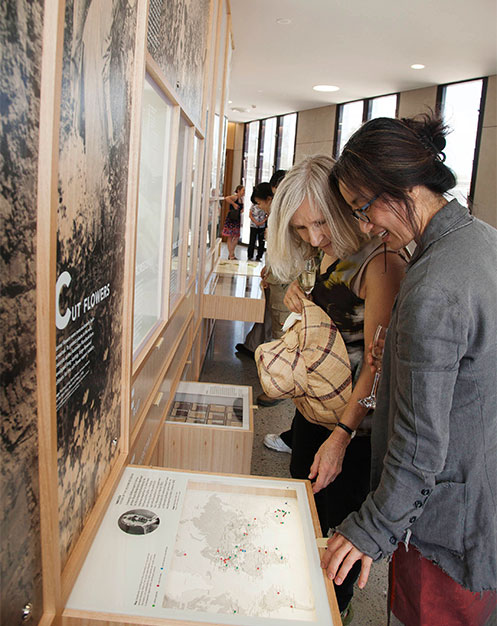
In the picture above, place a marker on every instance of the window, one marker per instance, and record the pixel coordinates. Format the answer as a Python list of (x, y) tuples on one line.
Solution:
[(350, 117), (267, 149), (285, 150), (383, 106), (352, 114), (251, 142), (268, 145), (460, 105)]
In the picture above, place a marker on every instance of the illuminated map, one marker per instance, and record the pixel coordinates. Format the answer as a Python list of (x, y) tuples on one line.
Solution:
[(240, 553)]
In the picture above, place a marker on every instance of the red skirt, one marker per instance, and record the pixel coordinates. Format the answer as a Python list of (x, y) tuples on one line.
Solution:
[(421, 594)]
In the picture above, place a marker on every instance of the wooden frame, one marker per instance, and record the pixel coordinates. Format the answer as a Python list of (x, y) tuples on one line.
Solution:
[(163, 85), (53, 35), (57, 582)]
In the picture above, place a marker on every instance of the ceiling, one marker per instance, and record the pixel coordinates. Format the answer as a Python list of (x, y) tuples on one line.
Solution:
[(365, 47)]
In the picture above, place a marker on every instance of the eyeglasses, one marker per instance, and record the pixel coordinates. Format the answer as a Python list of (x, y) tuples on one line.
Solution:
[(360, 214)]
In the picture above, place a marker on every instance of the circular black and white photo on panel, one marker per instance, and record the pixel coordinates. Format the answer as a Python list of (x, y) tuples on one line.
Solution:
[(138, 522)]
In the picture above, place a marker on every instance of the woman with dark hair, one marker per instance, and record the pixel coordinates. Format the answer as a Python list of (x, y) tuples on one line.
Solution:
[(231, 228), (434, 441), (261, 199)]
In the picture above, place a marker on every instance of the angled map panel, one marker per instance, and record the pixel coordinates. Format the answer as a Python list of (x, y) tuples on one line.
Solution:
[(205, 549)]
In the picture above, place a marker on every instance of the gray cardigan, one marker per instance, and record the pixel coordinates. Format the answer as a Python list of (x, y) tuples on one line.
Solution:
[(434, 442)]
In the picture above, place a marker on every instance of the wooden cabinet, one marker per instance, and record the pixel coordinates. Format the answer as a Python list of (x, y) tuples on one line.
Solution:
[(209, 427), (234, 292)]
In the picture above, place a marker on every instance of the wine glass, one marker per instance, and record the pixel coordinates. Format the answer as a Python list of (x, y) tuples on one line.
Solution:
[(307, 277), (369, 402)]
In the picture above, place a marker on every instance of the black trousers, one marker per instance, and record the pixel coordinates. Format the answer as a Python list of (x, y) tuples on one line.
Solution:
[(344, 495), (256, 235)]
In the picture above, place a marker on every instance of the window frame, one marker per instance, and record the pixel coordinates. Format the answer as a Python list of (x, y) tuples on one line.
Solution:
[(479, 128), (279, 125), (366, 115)]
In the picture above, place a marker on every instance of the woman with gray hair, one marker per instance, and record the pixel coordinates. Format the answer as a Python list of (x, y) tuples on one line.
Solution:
[(356, 285)]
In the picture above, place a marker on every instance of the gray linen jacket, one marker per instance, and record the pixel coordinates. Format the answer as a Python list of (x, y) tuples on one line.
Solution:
[(434, 441)]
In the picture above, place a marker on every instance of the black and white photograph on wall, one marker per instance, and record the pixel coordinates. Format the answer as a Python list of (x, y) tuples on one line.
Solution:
[(176, 39), (97, 75)]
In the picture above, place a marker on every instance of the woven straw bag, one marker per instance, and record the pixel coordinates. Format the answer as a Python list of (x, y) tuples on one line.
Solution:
[(310, 365)]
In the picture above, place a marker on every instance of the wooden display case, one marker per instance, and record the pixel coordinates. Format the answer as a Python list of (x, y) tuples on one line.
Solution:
[(193, 549), (234, 292), (209, 427)]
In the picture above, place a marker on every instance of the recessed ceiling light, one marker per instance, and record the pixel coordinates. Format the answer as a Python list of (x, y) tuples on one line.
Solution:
[(230, 101), (283, 20), (417, 66), (325, 88)]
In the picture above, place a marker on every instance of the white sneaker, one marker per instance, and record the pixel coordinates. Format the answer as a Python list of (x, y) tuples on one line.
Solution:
[(275, 442)]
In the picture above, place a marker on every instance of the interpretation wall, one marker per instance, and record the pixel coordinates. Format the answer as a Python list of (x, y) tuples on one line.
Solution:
[(21, 24), (83, 394)]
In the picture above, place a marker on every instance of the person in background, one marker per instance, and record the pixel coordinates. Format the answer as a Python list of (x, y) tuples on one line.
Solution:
[(357, 282), (433, 504), (275, 311), (259, 211), (231, 228), (276, 179)]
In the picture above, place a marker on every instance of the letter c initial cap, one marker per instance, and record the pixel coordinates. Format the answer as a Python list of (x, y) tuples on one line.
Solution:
[(61, 321)]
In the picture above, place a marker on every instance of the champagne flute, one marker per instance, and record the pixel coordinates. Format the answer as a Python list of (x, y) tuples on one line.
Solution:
[(307, 277), (369, 402)]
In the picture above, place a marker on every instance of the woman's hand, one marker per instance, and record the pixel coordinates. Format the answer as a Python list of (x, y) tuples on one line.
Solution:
[(328, 460), (264, 271), (368, 356), (293, 297), (341, 553)]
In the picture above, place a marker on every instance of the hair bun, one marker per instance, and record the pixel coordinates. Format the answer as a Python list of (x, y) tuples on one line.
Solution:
[(439, 142)]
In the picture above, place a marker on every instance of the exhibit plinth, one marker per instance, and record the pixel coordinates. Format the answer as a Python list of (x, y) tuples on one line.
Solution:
[(209, 427), (193, 549), (234, 292)]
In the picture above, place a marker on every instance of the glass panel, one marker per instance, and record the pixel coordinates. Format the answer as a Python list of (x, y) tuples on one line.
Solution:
[(191, 406), (350, 120), (222, 165), (223, 153), (210, 80), (193, 209), (249, 166), (267, 150), (386, 106), (175, 286), (215, 153), (149, 269), (461, 112), (217, 137), (286, 141)]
